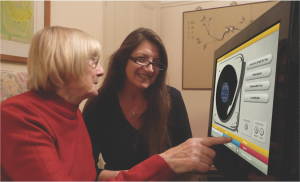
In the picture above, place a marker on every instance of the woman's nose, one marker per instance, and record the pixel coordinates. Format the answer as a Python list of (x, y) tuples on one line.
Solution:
[(99, 70), (149, 68)]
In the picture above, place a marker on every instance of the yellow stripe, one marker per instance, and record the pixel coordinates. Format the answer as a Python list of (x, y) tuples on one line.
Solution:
[(252, 41), (257, 148)]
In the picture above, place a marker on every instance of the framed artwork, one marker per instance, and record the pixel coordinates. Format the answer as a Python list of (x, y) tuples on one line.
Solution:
[(204, 31), (20, 20)]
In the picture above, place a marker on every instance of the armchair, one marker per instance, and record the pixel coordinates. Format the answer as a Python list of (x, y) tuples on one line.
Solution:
[(12, 83)]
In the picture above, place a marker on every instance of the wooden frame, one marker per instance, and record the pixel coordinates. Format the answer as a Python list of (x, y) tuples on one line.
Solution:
[(206, 30), (47, 9)]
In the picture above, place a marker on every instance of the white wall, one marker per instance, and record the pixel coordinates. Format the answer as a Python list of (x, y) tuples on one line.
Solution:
[(197, 101)]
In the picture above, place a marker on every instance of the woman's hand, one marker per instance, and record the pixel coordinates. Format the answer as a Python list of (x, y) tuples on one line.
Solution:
[(193, 155)]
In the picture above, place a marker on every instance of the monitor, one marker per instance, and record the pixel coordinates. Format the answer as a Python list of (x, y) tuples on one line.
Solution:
[(255, 98)]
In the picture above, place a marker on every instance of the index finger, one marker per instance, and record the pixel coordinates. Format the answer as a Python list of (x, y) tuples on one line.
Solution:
[(209, 141)]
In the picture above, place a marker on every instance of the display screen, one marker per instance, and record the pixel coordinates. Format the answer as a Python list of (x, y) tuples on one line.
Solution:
[(243, 97)]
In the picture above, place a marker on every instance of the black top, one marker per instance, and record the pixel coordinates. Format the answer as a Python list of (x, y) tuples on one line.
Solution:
[(113, 136)]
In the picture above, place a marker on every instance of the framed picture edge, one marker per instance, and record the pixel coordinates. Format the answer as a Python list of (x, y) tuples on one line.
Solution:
[(47, 9), (184, 79)]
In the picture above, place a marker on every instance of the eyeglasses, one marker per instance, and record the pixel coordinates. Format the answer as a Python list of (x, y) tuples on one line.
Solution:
[(145, 62), (95, 61)]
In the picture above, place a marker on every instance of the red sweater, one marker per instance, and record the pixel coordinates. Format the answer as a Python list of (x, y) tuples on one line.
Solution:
[(43, 137)]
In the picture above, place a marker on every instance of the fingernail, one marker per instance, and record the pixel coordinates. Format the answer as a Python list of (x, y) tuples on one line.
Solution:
[(229, 138)]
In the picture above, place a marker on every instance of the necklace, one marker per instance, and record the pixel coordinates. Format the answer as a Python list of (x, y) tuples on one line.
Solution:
[(134, 114)]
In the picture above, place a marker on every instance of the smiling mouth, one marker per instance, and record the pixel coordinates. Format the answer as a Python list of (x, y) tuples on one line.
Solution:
[(144, 76)]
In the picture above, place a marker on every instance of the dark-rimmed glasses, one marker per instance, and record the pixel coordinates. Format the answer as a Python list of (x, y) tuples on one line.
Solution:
[(95, 61), (146, 62)]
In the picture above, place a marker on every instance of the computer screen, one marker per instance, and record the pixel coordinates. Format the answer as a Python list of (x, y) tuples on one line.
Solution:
[(255, 96), (243, 97)]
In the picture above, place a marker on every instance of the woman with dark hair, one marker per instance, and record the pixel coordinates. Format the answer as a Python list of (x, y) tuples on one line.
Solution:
[(136, 115)]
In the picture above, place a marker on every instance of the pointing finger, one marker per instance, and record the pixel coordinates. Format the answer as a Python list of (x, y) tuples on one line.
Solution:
[(209, 141)]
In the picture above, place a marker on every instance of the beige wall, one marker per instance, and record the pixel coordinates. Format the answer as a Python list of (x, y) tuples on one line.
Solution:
[(88, 17), (6, 65), (83, 15), (197, 101)]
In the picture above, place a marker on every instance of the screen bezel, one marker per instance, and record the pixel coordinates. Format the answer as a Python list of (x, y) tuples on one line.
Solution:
[(236, 165)]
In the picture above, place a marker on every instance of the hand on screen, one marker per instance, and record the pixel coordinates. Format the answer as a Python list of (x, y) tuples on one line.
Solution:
[(193, 155)]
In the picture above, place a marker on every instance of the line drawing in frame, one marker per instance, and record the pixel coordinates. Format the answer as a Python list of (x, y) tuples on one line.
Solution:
[(206, 30), (16, 51)]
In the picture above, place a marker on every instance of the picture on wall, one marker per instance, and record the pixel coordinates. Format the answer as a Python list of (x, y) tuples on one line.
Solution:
[(17, 21), (20, 20), (205, 31)]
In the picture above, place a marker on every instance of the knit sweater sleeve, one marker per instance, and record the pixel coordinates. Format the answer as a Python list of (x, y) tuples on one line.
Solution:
[(30, 153), (154, 168)]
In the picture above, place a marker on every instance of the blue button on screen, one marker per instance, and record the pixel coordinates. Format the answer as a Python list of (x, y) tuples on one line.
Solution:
[(225, 92)]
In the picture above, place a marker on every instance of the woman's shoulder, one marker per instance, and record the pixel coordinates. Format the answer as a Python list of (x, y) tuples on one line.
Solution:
[(173, 91), (104, 104), (26, 97), (106, 100), (27, 104)]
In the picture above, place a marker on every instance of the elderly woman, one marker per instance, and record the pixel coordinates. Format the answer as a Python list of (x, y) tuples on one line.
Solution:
[(43, 135)]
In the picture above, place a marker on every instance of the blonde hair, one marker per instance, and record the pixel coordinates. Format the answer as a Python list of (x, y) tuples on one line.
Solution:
[(58, 54)]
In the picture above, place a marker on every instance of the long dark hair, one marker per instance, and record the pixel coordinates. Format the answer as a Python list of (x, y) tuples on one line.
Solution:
[(154, 126)]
